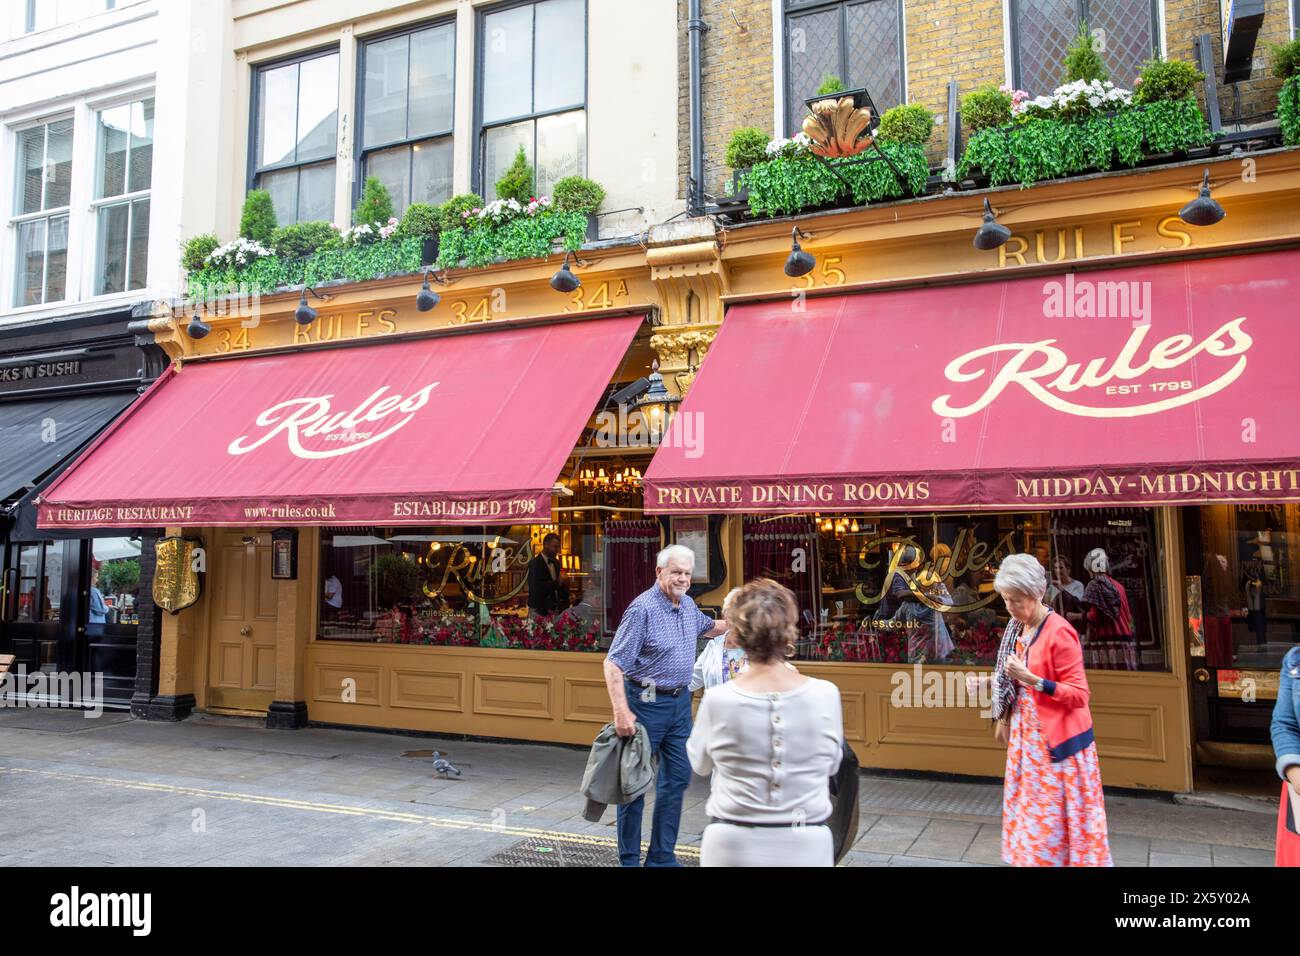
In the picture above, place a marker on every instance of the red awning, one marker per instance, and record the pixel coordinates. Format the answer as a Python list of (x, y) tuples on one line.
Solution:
[(1170, 383), (466, 429)]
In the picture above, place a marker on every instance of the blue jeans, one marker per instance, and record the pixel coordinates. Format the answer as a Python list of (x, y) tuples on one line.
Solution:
[(668, 721)]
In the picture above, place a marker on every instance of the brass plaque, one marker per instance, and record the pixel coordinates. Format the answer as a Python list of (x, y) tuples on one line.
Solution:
[(176, 582)]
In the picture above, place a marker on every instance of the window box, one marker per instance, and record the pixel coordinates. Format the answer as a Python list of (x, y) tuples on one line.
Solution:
[(1041, 149), (358, 263), (1288, 111), (792, 184), (534, 236)]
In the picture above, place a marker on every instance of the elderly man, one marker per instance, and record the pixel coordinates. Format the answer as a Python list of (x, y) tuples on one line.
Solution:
[(648, 672)]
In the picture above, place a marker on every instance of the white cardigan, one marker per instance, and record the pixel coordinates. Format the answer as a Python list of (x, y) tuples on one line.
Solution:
[(773, 753)]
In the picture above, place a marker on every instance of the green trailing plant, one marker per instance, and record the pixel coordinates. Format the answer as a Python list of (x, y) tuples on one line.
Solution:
[(517, 181), (791, 184), (1288, 110), (906, 124), (451, 214), (747, 147), (419, 220), (1166, 80), (357, 263), (302, 239), (986, 107), (830, 84), (1042, 148), (577, 194), (195, 252), (482, 241), (1082, 61), (375, 207), (1286, 59), (257, 220)]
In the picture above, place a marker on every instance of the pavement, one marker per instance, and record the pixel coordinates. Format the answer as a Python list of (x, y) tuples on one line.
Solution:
[(220, 791)]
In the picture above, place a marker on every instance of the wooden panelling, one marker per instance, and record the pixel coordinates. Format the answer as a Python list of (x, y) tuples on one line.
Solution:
[(426, 690), (512, 695), (855, 725), (1135, 731), (330, 682), (587, 700)]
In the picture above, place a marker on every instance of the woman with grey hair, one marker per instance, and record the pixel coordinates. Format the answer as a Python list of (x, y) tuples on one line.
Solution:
[(1053, 810)]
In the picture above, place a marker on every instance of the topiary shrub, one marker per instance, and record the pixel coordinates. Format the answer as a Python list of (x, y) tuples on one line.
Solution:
[(1166, 80), (1082, 61), (195, 252), (376, 205), (257, 221), (451, 214), (577, 193), (747, 147), (1286, 59), (517, 181), (908, 124), (419, 220), (830, 84), (302, 239), (986, 107)]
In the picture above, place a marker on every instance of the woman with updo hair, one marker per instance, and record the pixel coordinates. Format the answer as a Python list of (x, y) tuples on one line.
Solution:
[(1053, 810), (771, 737)]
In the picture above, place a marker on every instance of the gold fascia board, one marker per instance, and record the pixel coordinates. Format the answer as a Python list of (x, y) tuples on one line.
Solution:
[(705, 253), (1116, 192)]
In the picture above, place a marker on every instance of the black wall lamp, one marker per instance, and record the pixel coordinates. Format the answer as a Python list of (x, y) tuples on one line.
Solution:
[(992, 233), (305, 314), (197, 328), (426, 299), (564, 280), (799, 263), (1204, 210)]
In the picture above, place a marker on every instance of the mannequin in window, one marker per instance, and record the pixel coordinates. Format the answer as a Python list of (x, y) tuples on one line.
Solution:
[(1110, 644)]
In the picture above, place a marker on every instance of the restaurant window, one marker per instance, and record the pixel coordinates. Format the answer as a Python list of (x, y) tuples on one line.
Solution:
[(42, 193), (123, 177), (1248, 583), (295, 136), (859, 43), (465, 587), (114, 584), (919, 588), (406, 114), (1125, 32), (39, 582), (533, 64)]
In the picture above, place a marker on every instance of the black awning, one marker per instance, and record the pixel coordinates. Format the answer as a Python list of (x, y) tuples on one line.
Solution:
[(36, 437)]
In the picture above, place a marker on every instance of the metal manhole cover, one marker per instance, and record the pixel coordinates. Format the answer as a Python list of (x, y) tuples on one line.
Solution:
[(544, 851), (418, 754)]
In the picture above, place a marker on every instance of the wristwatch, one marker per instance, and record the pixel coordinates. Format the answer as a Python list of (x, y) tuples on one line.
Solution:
[(1038, 685)]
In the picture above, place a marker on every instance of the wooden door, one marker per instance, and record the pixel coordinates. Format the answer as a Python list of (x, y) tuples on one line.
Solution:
[(241, 646)]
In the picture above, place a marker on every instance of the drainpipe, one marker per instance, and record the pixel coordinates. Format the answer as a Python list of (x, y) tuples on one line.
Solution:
[(695, 187)]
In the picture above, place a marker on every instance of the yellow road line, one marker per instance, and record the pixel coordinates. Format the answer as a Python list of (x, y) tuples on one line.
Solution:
[(284, 803)]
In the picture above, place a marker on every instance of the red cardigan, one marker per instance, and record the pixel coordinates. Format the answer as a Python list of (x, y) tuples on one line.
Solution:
[(1055, 655)]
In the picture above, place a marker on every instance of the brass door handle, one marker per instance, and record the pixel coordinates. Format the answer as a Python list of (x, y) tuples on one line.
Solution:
[(1202, 675), (245, 631)]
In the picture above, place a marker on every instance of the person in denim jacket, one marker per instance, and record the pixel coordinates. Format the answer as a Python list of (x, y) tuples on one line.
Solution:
[(1286, 745)]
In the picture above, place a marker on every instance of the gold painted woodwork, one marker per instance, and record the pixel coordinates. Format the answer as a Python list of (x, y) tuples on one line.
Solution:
[(242, 632)]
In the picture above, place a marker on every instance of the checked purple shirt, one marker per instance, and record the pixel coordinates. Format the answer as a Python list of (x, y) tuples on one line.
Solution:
[(656, 641)]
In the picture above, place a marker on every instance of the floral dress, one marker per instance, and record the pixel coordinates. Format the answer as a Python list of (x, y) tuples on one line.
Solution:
[(1053, 814)]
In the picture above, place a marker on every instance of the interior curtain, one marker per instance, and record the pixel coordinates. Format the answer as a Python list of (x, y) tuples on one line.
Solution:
[(630, 551), (769, 546)]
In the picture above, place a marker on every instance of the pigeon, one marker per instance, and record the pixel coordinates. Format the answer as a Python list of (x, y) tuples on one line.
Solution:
[(443, 766)]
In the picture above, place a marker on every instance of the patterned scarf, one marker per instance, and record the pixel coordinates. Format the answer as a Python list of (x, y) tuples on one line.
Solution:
[(1102, 594), (1004, 688)]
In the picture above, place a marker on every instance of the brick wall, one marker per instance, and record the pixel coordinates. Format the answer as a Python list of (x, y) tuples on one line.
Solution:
[(736, 85), (945, 39), (951, 40), (1187, 19)]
